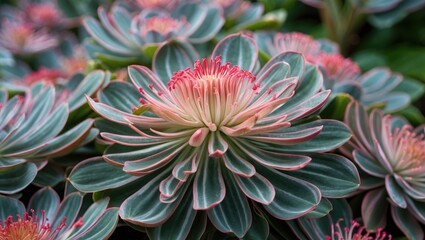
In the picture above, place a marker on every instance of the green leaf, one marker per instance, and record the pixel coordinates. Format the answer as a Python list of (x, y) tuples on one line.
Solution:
[(394, 191), (96, 175), (333, 174), (68, 210), (45, 199), (144, 207), (179, 224), (322, 209), (238, 49), (13, 180), (210, 26), (10, 207), (104, 227), (233, 214), (371, 166), (259, 229), (105, 39), (374, 209), (120, 95), (407, 223), (414, 88), (209, 189), (68, 141), (49, 176), (172, 57), (90, 84), (294, 197), (257, 187)]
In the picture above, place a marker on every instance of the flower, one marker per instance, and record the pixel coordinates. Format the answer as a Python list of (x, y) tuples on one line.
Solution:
[(46, 75), (28, 228), (296, 42), (391, 155), (208, 140), (136, 38), (352, 234), (58, 219), (336, 68), (158, 4), (43, 14), (23, 39)]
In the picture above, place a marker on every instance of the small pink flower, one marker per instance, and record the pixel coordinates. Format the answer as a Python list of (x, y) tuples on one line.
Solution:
[(160, 4), (296, 42), (162, 25), (42, 15), (47, 75), (337, 68)]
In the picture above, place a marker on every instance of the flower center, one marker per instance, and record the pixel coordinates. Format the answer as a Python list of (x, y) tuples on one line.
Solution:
[(28, 228), (407, 150), (46, 75), (211, 92), (338, 68), (162, 25)]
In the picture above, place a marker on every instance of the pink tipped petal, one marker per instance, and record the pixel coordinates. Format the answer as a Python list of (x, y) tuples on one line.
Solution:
[(198, 137)]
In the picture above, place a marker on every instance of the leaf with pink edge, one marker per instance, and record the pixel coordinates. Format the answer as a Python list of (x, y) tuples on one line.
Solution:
[(194, 14), (374, 209), (238, 49), (395, 193), (10, 207), (45, 199), (416, 208), (104, 227), (105, 39), (407, 223), (208, 186), (259, 229), (369, 165), (322, 209), (90, 84), (14, 179), (68, 210), (68, 141), (179, 224), (95, 174), (143, 208), (172, 57), (91, 216), (256, 187), (294, 197), (325, 169), (233, 214), (120, 95), (238, 165)]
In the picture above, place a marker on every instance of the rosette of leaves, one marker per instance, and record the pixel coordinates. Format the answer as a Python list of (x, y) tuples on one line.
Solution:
[(390, 154), (375, 88), (217, 143), (121, 38), (47, 217), (39, 126)]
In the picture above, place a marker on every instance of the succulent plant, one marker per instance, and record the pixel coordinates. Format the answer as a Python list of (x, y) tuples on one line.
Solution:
[(215, 140), (390, 154), (123, 39), (22, 38), (32, 129), (47, 218), (375, 88)]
